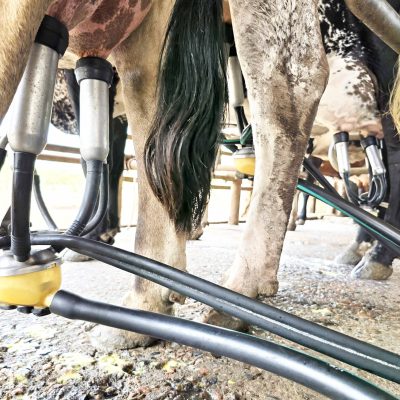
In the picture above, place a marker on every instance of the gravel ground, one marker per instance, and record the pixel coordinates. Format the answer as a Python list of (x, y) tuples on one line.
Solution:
[(51, 358)]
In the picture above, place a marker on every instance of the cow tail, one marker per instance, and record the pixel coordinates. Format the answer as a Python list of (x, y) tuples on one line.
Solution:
[(181, 148)]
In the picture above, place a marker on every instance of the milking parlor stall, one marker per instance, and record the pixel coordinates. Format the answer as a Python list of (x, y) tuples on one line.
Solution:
[(197, 204)]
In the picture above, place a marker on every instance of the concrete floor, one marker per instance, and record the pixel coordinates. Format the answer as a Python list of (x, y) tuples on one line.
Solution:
[(51, 358)]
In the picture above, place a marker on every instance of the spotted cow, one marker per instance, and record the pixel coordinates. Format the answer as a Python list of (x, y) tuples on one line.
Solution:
[(346, 38)]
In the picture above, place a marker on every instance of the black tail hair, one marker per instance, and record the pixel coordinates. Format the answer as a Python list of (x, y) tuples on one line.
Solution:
[(181, 149)]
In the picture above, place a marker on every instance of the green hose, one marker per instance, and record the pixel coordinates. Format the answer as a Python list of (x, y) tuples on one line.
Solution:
[(318, 193)]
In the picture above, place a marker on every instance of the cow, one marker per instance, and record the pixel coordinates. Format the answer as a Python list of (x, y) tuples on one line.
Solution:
[(356, 100), (356, 42), (176, 125)]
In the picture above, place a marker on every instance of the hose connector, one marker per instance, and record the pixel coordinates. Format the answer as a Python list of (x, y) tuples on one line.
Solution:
[(94, 76), (341, 140), (24, 164), (370, 146), (28, 119), (94, 68), (235, 82)]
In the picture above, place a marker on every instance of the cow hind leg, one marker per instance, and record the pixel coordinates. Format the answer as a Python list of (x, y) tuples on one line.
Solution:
[(302, 216), (120, 127), (377, 263), (355, 251), (294, 213), (156, 237), (285, 69)]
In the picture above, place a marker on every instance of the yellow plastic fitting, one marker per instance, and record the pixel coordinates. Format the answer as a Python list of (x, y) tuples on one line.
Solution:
[(34, 289), (245, 161)]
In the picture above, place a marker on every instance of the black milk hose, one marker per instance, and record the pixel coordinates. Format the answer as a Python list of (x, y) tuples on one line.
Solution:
[(342, 347)]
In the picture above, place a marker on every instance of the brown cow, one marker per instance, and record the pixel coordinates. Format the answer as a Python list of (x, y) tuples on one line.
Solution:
[(280, 48)]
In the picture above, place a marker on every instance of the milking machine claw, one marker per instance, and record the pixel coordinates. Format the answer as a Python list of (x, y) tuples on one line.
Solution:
[(378, 184)]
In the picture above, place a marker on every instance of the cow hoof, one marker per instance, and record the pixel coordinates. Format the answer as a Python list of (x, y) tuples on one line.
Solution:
[(73, 256), (106, 339), (196, 234), (300, 221), (214, 317), (350, 255), (226, 321), (291, 226), (268, 289), (369, 269), (156, 299)]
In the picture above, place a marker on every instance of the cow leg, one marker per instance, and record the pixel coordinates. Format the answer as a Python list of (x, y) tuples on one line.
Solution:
[(377, 264), (353, 253), (302, 215), (137, 60), (285, 68), (293, 213), (120, 127), (19, 22)]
